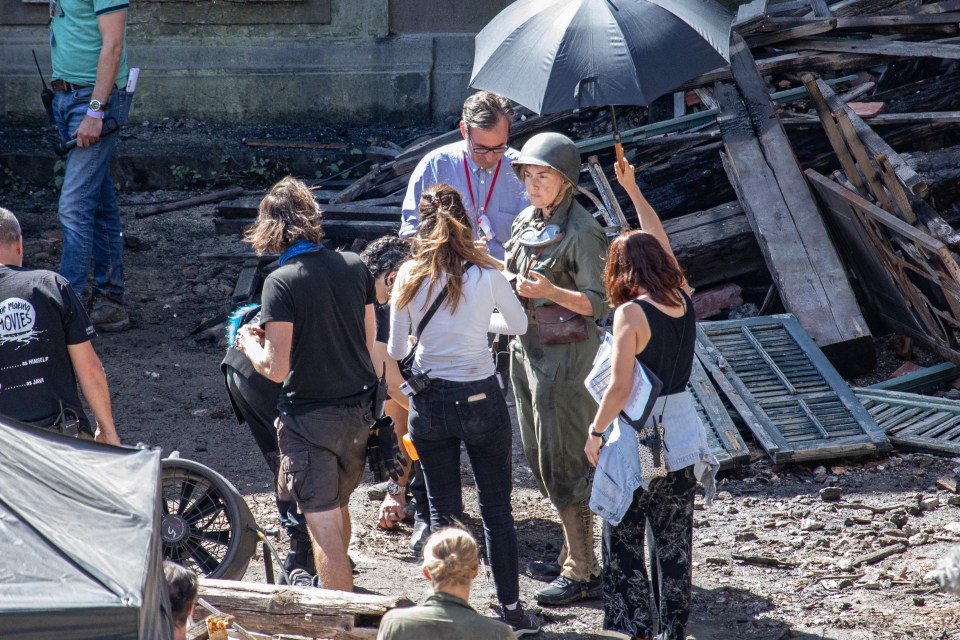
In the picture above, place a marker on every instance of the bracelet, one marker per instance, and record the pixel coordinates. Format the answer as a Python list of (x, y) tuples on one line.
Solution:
[(596, 434), (95, 114)]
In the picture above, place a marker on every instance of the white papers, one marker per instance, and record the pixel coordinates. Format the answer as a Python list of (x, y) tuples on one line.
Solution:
[(599, 379)]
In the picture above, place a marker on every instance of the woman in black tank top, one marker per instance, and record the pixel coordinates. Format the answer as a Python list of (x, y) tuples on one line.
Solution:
[(654, 323)]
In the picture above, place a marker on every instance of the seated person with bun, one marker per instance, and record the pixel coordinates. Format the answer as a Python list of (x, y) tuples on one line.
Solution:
[(450, 563)]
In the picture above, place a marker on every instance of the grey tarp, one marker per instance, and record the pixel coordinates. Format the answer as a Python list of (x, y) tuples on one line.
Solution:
[(81, 543)]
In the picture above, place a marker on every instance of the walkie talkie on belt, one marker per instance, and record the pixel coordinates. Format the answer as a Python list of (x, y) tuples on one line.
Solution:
[(47, 94)]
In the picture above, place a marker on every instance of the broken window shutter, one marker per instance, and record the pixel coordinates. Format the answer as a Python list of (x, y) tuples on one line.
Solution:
[(792, 399), (722, 435), (915, 422)]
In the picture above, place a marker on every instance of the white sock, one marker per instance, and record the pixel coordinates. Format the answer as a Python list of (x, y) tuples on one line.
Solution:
[(512, 607)]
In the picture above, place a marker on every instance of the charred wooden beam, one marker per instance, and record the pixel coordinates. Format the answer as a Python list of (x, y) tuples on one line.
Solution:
[(796, 246)]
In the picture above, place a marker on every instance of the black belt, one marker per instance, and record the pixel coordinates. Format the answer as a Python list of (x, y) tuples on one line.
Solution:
[(63, 85)]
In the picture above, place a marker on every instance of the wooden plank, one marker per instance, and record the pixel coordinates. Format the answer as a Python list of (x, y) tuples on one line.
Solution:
[(303, 611), (722, 435), (881, 47), (920, 381), (715, 245), (861, 7), (803, 30), (889, 177), (891, 258), (834, 136), (875, 144), (797, 248), (820, 8), (866, 166), (799, 61), (246, 208), (247, 281), (876, 22), (332, 228), (915, 422), (790, 396)]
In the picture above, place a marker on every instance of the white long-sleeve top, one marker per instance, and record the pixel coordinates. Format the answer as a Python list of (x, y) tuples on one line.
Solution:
[(454, 345)]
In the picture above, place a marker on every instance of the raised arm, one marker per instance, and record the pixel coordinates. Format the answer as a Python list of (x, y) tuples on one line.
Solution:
[(649, 220)]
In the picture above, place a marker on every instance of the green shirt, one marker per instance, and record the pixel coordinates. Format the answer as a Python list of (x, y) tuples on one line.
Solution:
[(441, 617), (75, 40)]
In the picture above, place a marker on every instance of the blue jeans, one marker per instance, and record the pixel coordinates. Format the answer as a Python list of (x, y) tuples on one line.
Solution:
[(475, 414), (89, 214)]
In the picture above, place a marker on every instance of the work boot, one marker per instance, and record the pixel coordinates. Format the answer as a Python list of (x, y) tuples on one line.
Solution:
[(107, 314), (563, 590), (544, 570), (580, 573), (300, 578)]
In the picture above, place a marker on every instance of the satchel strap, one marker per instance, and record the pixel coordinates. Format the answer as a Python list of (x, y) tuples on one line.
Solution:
[(434, 308)]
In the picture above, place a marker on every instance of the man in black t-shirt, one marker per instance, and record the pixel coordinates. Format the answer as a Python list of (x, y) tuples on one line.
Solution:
[(317, 333), (45, 347)]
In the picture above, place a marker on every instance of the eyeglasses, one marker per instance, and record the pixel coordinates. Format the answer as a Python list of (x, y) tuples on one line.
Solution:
[(481, 150)]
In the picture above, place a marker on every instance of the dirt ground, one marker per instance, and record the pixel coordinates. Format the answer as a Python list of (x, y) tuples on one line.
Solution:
[(168, 392)]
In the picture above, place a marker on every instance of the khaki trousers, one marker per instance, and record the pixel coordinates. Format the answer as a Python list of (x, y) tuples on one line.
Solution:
[(577, 558)]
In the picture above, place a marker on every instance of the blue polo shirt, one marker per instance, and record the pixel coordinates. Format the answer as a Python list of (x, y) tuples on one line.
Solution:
[(75, 40)]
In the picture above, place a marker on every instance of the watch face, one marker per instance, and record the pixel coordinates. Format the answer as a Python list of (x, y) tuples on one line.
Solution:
[(393, 488), (96, 105)]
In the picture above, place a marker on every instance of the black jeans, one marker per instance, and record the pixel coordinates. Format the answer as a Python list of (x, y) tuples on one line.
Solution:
[(475, 414)]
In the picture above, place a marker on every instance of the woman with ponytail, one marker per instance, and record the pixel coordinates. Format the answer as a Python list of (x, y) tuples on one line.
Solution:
[(450, 563), (462, 402)]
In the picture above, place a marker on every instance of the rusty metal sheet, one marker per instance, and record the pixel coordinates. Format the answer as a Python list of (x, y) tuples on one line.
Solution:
[(791, 397), (722, 435), (913, 421)]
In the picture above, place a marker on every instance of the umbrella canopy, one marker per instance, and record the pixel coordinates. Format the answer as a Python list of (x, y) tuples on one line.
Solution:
[(555, 55)]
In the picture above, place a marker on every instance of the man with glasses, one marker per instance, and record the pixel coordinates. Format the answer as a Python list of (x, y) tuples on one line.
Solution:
[(479, 168)]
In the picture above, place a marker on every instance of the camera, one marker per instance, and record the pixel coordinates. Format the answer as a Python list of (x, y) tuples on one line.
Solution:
[(415, 384)]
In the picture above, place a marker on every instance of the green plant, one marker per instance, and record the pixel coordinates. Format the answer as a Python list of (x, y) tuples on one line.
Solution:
[(10, 180), (59, 171), (189, 176)]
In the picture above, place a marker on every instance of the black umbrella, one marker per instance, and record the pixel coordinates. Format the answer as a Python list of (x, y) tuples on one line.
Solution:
[(555, 55)]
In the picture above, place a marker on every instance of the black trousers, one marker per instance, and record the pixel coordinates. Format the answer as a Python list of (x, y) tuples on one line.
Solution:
[(255, 401), (632, 604)]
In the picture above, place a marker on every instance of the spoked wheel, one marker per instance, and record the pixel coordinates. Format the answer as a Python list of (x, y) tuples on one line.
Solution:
[(206, 525)]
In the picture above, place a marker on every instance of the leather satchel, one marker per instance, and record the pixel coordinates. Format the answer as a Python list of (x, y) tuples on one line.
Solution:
[(559, 325)]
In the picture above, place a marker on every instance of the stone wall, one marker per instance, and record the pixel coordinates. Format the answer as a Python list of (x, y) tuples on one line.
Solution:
[(271, 60)]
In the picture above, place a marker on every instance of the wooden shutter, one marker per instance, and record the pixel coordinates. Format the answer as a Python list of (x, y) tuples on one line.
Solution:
[(916, 422), (792, 399), (722, 435)]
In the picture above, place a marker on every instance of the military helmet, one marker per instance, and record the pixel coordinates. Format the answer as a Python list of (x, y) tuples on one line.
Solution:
[(553, 150)]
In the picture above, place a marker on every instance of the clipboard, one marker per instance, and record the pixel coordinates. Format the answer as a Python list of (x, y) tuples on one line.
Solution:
[(643, 394)]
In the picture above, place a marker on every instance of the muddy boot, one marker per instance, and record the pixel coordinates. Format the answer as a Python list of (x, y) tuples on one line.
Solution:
[(580, 576), (107, 314), (548, 570)]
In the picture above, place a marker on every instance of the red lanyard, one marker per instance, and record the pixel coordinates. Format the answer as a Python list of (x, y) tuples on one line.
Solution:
[(493, 183)]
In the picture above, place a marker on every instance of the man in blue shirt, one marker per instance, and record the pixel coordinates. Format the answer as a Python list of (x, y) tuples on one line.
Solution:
[(479, 168)]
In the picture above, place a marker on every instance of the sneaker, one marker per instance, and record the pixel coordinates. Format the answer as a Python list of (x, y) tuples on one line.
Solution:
[(300, 578), (377, 492), (107, 315), (522, 622), (563, 590), (421, 531), (542, 570)]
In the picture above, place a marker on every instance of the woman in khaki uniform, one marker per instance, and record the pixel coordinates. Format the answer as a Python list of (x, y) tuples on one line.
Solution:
[(558, 252)]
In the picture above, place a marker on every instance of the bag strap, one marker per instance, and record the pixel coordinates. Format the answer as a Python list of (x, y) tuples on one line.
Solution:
[(435, 307)]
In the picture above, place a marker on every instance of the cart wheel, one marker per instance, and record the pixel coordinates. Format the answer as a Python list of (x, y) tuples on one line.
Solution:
[(206, 525)]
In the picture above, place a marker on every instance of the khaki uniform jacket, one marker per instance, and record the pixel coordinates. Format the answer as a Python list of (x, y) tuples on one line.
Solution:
[(441, 617)]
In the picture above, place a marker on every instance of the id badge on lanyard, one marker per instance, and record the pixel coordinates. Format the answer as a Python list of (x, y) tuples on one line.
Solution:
[(483, 222)]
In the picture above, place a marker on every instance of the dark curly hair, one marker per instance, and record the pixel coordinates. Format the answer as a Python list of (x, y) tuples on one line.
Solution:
[(385, 255)]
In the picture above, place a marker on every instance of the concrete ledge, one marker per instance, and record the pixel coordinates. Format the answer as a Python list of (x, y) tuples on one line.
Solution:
[(415, 78)]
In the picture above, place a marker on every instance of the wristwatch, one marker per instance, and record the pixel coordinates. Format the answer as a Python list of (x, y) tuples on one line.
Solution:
[(96, 105), (393, 488)]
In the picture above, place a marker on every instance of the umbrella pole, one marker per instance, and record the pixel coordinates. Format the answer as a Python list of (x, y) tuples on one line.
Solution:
[(617, 146)]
